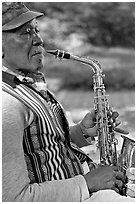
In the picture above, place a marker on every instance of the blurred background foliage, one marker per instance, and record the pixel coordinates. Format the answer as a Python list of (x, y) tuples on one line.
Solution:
[(101, 30)]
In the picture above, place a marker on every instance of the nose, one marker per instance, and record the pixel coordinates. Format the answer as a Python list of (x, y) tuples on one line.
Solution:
[(37, 40)]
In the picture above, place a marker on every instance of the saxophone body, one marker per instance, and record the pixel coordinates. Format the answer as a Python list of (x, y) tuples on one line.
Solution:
[(107, 141)]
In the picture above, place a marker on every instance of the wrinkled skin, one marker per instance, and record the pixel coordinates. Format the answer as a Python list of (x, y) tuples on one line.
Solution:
[(106, 177), (23, 48)]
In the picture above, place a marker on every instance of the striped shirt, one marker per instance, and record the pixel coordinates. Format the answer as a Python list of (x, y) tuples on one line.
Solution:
[(48, 152)]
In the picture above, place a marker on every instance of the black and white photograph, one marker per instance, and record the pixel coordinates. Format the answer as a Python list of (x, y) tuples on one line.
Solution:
[(68, 101)]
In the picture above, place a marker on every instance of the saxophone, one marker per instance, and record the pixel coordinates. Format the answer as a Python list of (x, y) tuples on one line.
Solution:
[(107, 141)]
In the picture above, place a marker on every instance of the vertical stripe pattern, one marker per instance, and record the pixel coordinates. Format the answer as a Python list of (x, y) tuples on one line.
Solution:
[(47, 150)]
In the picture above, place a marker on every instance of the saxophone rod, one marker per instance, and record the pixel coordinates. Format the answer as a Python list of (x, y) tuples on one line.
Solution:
[(66, 55)]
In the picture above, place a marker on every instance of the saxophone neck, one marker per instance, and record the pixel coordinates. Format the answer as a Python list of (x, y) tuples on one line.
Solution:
[(94, 64)]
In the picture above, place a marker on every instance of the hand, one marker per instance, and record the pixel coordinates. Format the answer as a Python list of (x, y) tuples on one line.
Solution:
[(114, 122), (106, 177), (89, 127)]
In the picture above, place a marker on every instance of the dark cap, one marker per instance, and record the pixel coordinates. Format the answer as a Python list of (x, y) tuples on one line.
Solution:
[(15, 14)]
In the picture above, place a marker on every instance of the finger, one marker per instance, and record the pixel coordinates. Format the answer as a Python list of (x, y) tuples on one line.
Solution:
[(114, 115), (110, 111), (119, 175), (89, 119), (117, 122), (92, 131), (114, 124), (116, 189), (115, 168), (125, 179), (119, 130), (118, 183)]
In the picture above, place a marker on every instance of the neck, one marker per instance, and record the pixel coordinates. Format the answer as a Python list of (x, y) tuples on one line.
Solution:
[(13, 69), (7, 65)]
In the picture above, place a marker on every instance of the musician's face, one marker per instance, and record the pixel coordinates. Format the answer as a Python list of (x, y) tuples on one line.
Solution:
[(22, 48)]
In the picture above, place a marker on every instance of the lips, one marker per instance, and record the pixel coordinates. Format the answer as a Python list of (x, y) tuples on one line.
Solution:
[(36, 53)]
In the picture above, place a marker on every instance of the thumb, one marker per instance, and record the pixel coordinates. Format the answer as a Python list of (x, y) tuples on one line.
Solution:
[(88, 120), (92, 131)]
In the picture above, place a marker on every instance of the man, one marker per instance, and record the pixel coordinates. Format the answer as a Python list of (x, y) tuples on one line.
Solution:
[(39, 161)]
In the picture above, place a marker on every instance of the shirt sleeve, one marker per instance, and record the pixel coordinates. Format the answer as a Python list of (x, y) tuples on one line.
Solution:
[(68, 190), (15, 182)]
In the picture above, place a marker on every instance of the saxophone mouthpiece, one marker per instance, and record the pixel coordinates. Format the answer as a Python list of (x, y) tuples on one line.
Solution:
[(53, 52), (59, 54)]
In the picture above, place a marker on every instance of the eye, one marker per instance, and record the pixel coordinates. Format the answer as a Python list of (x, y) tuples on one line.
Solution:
[(27, 31)]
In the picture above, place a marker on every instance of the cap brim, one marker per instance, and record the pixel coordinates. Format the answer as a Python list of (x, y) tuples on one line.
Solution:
[(20, 20)]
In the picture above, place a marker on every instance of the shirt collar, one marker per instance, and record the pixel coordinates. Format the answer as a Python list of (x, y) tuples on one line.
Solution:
[(37, 80), (5, 69), (9, 78)]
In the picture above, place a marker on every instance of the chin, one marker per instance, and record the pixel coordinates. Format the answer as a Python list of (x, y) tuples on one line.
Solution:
[(39, 64), (40, 67)]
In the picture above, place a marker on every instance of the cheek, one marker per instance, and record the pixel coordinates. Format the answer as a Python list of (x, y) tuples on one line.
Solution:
[(19, 54), (17, 49)]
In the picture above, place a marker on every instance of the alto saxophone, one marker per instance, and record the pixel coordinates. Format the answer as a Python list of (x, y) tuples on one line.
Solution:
[(107, 142)]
